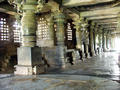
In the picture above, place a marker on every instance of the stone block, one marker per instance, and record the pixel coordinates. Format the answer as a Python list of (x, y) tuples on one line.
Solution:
[(29, 61), (29, 56)]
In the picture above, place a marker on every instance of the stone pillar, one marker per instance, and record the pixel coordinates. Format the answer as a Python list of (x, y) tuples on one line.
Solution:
[(29, 27), (77, 22), (92, 39), (60, 34), (101, 39), (87, 48), (107, 41), (104, 40), (78, 39), (95, 37), (83, 50), (51, 30), (29, 56)]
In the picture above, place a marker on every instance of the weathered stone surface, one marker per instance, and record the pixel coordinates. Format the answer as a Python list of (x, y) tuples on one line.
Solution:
[(29, 59)]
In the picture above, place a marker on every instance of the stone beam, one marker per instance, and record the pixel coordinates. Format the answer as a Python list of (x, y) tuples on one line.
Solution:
[(102, 17), (107, 23), (102, 12), (106, 20), (73, 3), (110, 28), (6, 8), (110, 24)]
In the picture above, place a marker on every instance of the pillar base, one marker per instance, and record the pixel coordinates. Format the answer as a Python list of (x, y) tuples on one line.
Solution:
[(29, 61), (76, 56), (23, 70), (92, 53), (88, 55), (61, 56), (83, 56)]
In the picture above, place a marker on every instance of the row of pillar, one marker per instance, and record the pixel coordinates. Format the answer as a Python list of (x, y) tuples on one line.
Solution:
[(29, 55)]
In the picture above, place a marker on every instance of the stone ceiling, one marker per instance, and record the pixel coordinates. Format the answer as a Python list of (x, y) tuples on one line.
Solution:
[(103, 12)]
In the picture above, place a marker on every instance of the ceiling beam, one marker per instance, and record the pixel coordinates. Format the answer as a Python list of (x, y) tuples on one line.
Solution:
[(106, 23), (74, 3), (102, 12), (102, 17), (6, 8), (106, 20), (110, 28)]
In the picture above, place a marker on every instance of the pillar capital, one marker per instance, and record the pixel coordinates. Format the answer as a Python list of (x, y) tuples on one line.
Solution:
[(23, 5), (59, 17), (78, 21)]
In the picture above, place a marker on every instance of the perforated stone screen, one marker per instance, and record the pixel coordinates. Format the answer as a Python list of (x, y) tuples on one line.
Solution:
[(4, 30), (69, 32)]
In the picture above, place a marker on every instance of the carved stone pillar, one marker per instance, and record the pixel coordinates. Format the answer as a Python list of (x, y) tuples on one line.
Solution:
[(92, 39), (100, 40), (107, 41), (29, 26), (77, 22), (60, 34), (104, 40), (29, 56), (87, 48), (95, 37)]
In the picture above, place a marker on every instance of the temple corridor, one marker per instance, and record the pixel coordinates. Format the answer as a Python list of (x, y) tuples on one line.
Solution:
[(102, 72), (59, 44)]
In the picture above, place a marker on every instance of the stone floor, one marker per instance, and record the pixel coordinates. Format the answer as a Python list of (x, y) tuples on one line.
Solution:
[(101, 72)]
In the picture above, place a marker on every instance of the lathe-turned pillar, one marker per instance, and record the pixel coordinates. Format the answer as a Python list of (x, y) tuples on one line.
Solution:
[(95, 38), (107, 40), (60, 34), (100, 40), (85, 37), (104, 40), (29, 26), (77, 23), (87, 48), (92, 39), (29, 56)]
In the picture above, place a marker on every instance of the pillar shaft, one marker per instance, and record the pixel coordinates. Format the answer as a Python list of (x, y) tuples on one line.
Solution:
[(78, 39), (29, 26), (103, 41), (87, 48), (77, 22), (100, 41), (107, 41), (92, 40), (95, 36), (59, 19), (60, 34)]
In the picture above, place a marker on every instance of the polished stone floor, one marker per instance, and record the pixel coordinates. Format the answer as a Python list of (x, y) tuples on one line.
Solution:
[(101, 72)]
